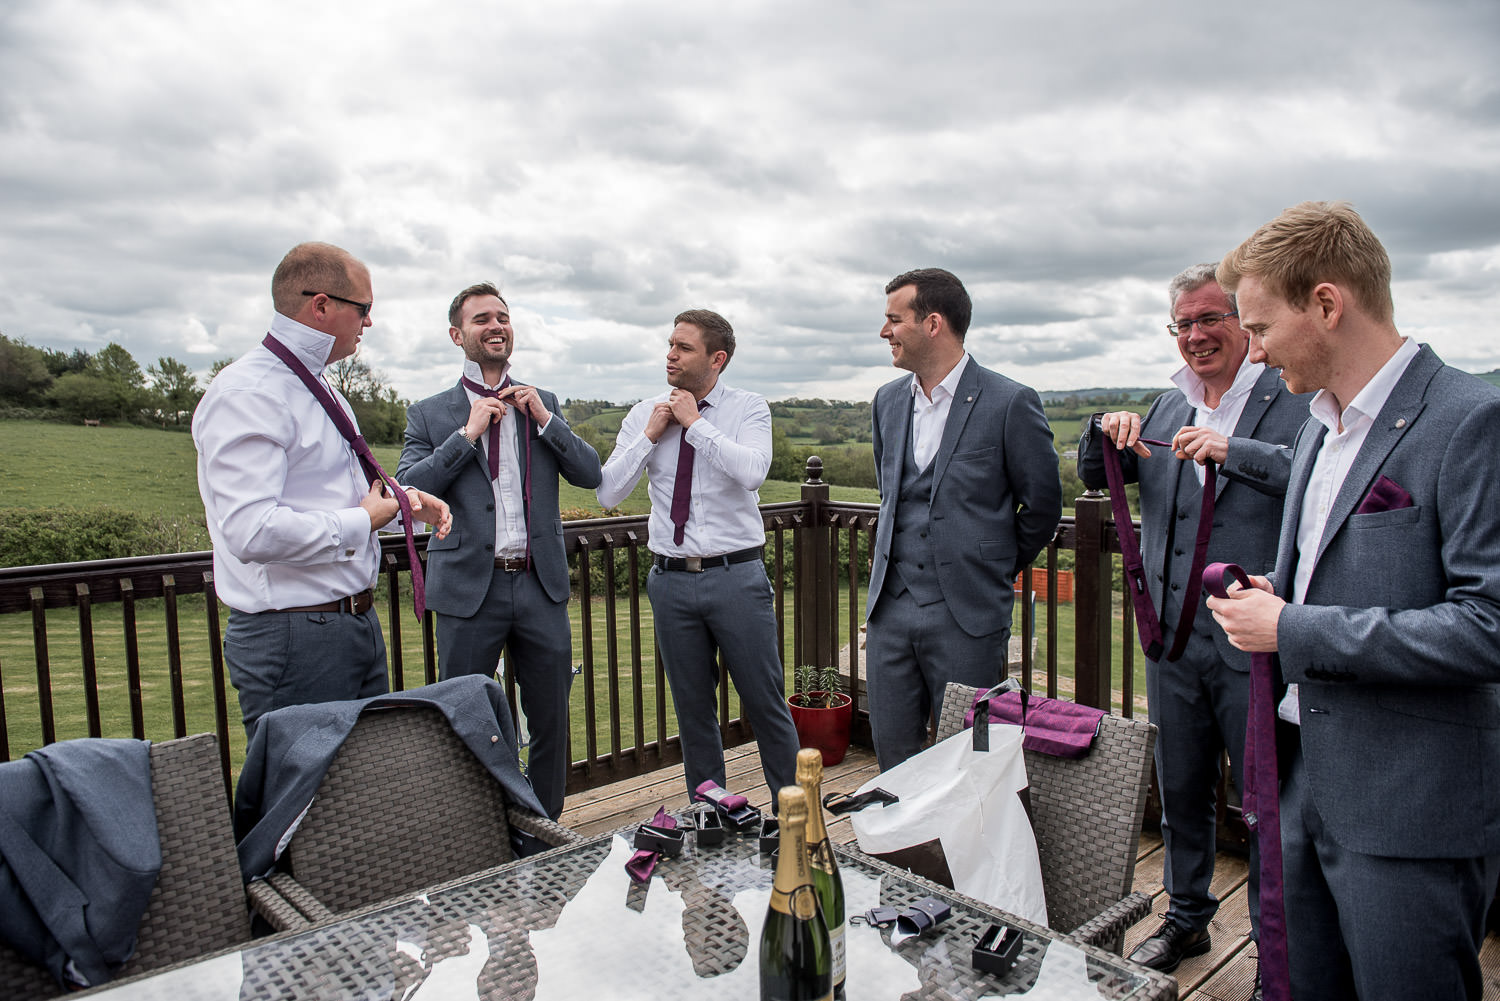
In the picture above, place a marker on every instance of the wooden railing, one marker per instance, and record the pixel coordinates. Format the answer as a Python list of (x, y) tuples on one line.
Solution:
[(817, 556)]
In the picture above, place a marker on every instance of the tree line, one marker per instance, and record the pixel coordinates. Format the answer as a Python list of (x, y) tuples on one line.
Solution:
[(110, 385)]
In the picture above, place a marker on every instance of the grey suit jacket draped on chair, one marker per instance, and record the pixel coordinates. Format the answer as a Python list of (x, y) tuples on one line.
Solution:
[(436, 459), (1247, 504), (996, 499), (1396, 649)]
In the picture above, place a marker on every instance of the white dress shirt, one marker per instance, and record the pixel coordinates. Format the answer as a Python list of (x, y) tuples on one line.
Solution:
[(510, 502), (732, 439), (280, 486), (1226, 416), (1346, 435), (930, 416)]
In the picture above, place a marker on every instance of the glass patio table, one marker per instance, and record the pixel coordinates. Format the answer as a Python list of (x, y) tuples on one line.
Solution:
[(571, 924)]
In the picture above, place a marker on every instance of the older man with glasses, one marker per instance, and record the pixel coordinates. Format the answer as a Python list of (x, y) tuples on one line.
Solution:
[(1238, 415), (294, 498)]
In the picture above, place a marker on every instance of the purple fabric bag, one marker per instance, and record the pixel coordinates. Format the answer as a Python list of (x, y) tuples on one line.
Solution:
[(1053, 726)]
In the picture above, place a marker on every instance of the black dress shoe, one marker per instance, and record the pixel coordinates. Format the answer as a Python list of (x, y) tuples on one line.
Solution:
[(1171, 944)]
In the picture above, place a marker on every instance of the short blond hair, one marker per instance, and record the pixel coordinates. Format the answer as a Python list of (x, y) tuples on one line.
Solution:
[(1309, 244), (312, 267)]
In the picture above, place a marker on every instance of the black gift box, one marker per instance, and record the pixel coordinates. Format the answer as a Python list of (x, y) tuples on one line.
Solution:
[(997, 949), (710, 827), (666, 840), (770, 834)]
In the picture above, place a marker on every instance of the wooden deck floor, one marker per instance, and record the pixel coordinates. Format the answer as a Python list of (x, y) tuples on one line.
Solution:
[(1225, 973)]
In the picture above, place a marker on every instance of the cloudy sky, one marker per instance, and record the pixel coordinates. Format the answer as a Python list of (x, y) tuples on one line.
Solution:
[(611, 163)]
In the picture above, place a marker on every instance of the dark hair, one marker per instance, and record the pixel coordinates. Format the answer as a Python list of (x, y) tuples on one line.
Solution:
[(718, 335), (938, 291), (456, 308)]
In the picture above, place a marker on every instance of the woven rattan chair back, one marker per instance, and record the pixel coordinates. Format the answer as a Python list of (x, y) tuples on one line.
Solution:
[(405, 805), (1086, 812), (198, 904)]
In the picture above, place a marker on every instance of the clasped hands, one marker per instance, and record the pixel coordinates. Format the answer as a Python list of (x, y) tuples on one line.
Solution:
[(487, 409), (1198, 444), (680, 408)]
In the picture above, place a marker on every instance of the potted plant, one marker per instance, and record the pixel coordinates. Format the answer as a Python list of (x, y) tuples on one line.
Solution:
[(820, 712)]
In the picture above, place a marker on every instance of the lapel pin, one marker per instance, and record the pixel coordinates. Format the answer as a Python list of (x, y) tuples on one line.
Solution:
[(1266, 398), (969, 400), (1401, 422)]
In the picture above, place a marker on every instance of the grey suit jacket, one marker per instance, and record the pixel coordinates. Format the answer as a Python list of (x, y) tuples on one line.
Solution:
[(438, 460), (996, 499), (1397, 647), (1247, 504)]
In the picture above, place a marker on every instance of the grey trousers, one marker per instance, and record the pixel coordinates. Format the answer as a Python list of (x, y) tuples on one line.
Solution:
[(516, 611), (729, 610), (912, 652), (279, 659), (1367, 926), (1199, 706)]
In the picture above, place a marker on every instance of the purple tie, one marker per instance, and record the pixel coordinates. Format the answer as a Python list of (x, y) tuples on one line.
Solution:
[(366, 460), (682, 484), (1262, 803), (1147, 624), (494, 448)]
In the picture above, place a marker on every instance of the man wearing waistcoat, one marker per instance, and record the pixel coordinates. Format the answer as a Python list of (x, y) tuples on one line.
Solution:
[(969, 495), (496, 448), (1383, 615), (1236, 413)]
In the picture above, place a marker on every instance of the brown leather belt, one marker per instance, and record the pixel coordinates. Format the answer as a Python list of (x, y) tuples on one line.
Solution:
[(510, 564), (355, 604)]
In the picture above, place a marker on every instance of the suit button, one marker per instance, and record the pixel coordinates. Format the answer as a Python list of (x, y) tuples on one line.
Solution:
[(1177, 587), (489, 507), (1181, 516), (923, 535), (921, 566), (1177, 552)]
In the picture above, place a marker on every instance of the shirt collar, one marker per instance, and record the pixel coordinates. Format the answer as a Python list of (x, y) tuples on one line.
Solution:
[(473, 374), (1192, 385), (948, 386), (1368, 401), (311, 347)]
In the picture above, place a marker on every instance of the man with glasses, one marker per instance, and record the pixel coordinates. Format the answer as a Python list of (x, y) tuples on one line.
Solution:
[(495, 448), (291, 509), (1239, 415)]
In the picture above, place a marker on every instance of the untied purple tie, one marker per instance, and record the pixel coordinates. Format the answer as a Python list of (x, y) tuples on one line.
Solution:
[(1262, 802), (366, 459), (682, 483)]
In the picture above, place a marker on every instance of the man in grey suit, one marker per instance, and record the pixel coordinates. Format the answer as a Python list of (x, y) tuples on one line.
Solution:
[(495, 448), (1383, 614), (1236, 413), (969, 494)]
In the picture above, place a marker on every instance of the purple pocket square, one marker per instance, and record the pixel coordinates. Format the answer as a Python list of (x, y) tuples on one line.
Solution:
[(1385, 495)]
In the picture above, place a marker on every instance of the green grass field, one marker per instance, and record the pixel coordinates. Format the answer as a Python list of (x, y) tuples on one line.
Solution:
[(47, 465)]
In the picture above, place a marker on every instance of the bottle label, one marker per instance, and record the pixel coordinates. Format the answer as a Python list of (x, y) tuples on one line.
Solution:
[(836, 937), (804, 903)]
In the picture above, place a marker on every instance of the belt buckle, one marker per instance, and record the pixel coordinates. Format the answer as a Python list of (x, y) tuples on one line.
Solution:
[(692, 564)]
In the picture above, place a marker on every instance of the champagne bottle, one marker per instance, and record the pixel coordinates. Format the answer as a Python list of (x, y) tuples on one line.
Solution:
[(825, 868), (796, 959)]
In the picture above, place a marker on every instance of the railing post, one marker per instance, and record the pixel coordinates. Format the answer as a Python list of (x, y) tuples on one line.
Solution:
[(814, 589), (1093, 598)]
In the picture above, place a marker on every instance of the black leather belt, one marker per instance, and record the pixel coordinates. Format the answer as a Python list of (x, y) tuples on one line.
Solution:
[(698, 564), (355, 604), (510, 564)]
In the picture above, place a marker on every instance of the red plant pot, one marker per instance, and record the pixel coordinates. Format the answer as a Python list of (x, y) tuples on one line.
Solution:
[(825, 729)]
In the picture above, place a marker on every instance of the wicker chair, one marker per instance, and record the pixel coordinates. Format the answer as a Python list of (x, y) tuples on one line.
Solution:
[(1087, 817), (404, 805), (198, 904)]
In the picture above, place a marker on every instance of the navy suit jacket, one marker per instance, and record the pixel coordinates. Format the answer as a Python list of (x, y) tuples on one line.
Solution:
[(1247, 503), (996, 499), (1396, 649), (437, 459)]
